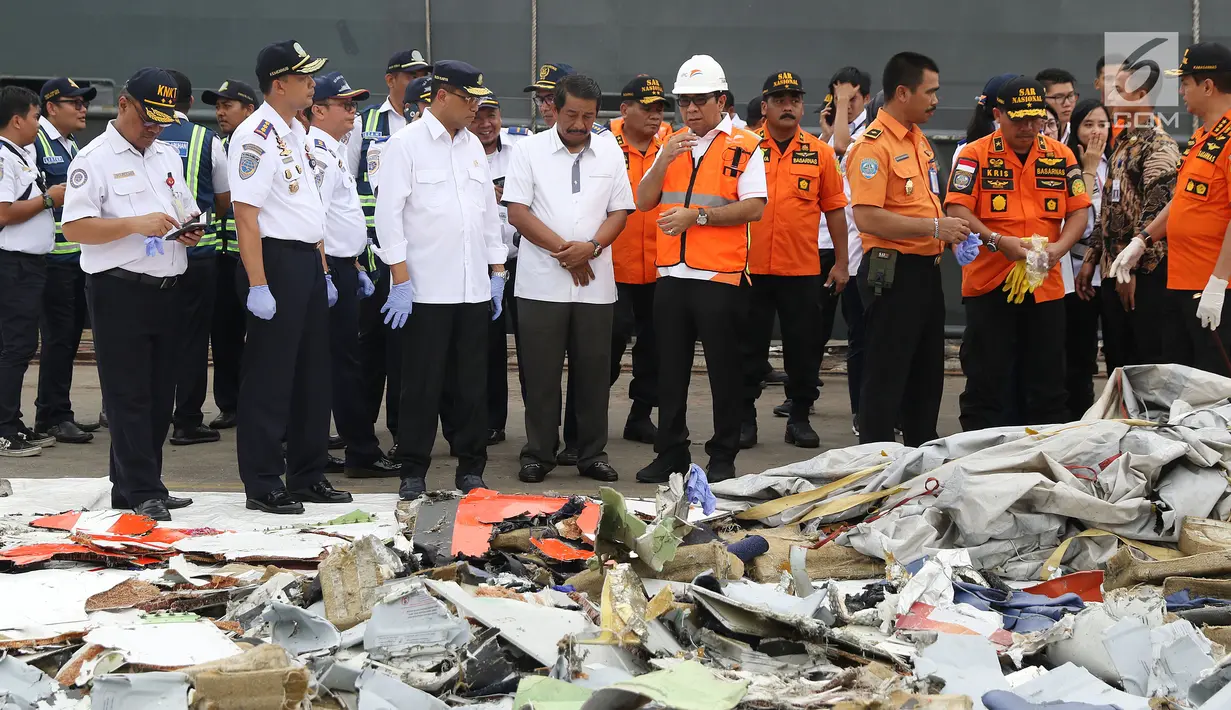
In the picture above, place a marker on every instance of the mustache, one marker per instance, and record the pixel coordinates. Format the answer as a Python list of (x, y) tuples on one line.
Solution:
[(576, 130), (788, 114)]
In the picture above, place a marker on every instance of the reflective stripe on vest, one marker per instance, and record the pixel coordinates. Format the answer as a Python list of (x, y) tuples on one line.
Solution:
[(62, 250), (198, 174), (374, 121)]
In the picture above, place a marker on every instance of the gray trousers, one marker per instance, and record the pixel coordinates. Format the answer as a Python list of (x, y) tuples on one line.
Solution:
[(548, 331)]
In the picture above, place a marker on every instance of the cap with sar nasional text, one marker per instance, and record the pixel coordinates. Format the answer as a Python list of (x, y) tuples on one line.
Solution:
[(549, 75), (419, 90), (289, 57), (1202, 57), (232, 90), (407, 60), (63, 87), (333, 86), (1022, 98), (155, 91), (780, 82), (461, 75), (644, 89)]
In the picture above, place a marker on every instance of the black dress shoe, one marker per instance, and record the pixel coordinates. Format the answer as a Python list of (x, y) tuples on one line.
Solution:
[(393, 452), (320, 492), (775, 377), (661, 468), (801, 434), (333, 464), (380, 468), (532, 473), (784, 409), (336, 442), (67, 432), (153, 508), (88, 426), (748, 435), (467, 483), (495, 436), (642, 430), (601, 471), (720, 471), (224, 420), (567, 457), (102, 420), (198, 434), (412, 487), (173, 503), (279, 502)]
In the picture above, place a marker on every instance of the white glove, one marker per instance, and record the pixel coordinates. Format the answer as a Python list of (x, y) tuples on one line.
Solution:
[(1122, 266), (1209, 308)]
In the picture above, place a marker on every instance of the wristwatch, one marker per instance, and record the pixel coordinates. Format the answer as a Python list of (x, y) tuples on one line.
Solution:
[(48, 203), (703, 217), (993, 241), (502, 274), (598, 249)]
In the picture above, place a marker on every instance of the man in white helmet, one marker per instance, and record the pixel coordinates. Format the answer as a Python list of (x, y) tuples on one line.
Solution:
[(706, 185)]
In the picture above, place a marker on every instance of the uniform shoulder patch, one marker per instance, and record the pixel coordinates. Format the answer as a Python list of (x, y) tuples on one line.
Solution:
[(317, 142), (263, 129), (248, 163), (868, 167), (598, 129), (872, 133), (518, 131), (997, 144), (78, 178)]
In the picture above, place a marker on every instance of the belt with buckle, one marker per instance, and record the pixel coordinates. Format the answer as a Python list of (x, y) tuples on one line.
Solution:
[(162, 282)]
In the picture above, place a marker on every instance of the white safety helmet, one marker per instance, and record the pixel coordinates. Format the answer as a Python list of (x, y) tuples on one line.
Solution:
[(700, 75)]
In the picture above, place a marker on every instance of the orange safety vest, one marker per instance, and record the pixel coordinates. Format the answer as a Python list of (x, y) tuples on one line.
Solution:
[(711, 182), (634, 250)]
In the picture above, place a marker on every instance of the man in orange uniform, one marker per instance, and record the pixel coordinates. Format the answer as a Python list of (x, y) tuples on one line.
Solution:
[(801, 172), (895, 195), (705, 186), (1015, 184)]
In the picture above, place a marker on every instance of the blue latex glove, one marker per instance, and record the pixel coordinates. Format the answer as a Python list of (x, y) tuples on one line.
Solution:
[(498, 295), (366, 287), (153, 245), (697, 488), (968, 250), (401, 302), (261, 302), (331, 291)]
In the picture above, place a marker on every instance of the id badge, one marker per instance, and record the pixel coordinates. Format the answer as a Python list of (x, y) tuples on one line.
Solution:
[(1115, 190), (935, 182)]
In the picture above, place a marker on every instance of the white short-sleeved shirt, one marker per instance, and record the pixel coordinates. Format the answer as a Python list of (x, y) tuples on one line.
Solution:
[(437, 213), (346, 232), (110, 179), (19, 181), (270, 168), (498, 163), (217, 157), (572, 193), (751, 184)]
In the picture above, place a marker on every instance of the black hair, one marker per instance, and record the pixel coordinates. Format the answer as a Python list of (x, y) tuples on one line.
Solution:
[(1102, 62), (1151, 81), (1049, 77), (15, 101), (905, 69), (1083, 109), (1222, 80), (265, 84), (1048, 108), (579, 86), (183, 90), (981, 121), (854, 76), (437, 85)]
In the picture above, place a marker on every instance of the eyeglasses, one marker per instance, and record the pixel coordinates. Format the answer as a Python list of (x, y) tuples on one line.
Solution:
[(1070, 97), (545, 100), (686, 101), (145, 119), (347, 106), (472, 100), (78, 104)]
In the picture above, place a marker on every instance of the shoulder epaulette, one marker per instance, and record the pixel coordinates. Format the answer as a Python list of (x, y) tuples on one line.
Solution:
[(1223, 125), (319, 143), (263, 129), (598, 129), (518, 131), (872, 133)]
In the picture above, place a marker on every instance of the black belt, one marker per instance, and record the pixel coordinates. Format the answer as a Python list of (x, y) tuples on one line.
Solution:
[(290, 244), (162, 282)]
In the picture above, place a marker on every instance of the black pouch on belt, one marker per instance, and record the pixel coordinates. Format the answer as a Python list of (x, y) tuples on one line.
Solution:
[(881, 266)]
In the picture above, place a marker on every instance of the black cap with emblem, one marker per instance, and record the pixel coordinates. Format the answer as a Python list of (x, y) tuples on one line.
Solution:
[(155, 90), (418, 90), (549, 75), (461, 75), (644, 89), (780, 82), (282, 58), (409, 60), (1204, 57), (65, 88), (232, 90), (1022, 98)]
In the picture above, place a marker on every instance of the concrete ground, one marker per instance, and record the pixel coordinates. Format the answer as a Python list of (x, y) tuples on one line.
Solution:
[(212, 466)]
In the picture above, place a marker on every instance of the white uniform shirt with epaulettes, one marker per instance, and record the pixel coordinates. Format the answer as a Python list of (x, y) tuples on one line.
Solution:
[(498, 163), (346, 232), (19, 180), (111, 179), (270, 167)]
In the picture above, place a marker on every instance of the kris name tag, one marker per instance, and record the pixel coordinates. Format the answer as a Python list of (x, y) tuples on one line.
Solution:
[(934, 181), (1115, 190)]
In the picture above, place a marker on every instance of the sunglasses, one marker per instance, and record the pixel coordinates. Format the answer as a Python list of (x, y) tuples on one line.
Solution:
[(347, 106), (686, 101), (78, 104)]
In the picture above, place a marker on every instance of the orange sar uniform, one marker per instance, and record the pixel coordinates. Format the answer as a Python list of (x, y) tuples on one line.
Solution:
[(1011, 348), (894, 167), (803, 182), (1196, 228)]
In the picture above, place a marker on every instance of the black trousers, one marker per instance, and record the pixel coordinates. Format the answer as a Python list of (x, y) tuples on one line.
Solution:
[(136, 347), (828, 299), (686, 310), (549, 331), (1081, 320), (63, 319), (1013, 352), (796, 300), (1147, 334), (380, 354), (227, 334), (349, 412), (22, 277), (1200, 347), (904, 352), (498, 356), (195, 295), (633, 317), (284, 391), (444, 349), (852, 313)]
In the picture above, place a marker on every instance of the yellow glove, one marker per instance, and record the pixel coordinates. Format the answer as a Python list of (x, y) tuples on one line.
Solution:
[(1015, 284)]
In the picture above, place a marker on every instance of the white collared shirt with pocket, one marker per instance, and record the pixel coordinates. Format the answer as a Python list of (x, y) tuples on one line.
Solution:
[(346, 232), (19, 181), (572, 193), (110, 179), (276, 177)]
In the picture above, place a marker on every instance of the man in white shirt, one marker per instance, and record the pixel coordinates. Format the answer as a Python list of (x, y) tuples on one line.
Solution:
[(346, 236), (283, 279), (27, 233), (125, 192), (440, 235), (569, 197)]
